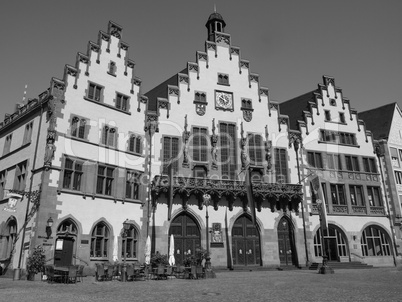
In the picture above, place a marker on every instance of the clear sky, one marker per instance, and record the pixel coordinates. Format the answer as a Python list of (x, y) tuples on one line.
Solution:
[(290, 44)]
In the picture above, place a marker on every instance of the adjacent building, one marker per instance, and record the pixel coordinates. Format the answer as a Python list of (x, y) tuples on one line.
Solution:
[(338, 148)]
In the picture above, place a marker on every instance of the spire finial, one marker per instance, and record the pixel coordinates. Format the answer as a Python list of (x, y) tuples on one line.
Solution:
[(214, 7)]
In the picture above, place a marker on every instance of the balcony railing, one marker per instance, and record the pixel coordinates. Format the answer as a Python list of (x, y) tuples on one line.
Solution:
[(217, 188), (344, 210)]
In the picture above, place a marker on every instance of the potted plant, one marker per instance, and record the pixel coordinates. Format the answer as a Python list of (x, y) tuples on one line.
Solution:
[(36, 263), (158, 259)]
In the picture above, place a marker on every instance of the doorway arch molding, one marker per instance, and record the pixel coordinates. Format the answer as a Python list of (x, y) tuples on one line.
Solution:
[(240, 212)]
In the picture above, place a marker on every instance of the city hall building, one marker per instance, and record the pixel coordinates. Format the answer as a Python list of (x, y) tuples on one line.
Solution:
[(92, 151)]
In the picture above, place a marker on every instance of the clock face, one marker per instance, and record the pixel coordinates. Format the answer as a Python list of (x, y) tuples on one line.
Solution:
[(223, 100)]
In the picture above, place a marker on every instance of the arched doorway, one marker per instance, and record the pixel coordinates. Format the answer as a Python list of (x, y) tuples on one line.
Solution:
[(286, 242), (245, 243), (187, 236), (65, 242), (335, 243)]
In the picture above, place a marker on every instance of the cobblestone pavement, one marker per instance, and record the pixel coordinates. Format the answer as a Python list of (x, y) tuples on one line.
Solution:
[(381, 284)]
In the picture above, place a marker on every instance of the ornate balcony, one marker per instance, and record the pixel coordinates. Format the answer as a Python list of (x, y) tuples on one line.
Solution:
[(279, 196)]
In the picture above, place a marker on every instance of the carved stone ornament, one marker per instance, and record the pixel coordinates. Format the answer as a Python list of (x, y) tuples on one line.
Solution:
[(200, 109), (214, 150), (186, 136), (247, 115)]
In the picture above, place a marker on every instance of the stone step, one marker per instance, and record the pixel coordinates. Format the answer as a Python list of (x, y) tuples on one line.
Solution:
[(341, 265)]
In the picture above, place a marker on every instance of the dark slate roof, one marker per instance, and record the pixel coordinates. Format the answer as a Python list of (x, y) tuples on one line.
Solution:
[(379, 120), (161, 90), (294, 108), (216, 16)]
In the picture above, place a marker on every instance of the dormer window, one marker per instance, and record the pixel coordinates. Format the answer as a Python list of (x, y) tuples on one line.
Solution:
[(223, 79)]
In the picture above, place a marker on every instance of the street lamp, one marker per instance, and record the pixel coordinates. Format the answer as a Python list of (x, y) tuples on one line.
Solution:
[(49, 224), (126, 228), (207, 200)]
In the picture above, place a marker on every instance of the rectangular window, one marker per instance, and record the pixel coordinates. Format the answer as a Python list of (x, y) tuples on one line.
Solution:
[(200, 144), (2, 183), (170, 153), (7, 144), (94, 92), (356, 195), (122, 102), (334, 162), (327, 115), (352, 163), (338, 194), (398, 177), (337, 137), (255, 149), (315, 159), (105, 180), (109, 136), (281, 169), (28, 133), (394, 157), (223, 79), (227, 139), (200, 97), (20, 176), (72, 174), (374, 196), (132, 184), (342, 117), (369, 164)]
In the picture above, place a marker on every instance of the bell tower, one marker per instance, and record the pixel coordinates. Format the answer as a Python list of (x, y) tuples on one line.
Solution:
[(214, 24)]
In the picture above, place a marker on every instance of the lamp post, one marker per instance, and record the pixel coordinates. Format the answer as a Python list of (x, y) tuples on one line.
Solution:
[(126, 228), (324, 269), (207, 200), (49, 224)]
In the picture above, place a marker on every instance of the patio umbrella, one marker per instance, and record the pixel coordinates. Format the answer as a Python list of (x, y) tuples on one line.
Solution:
[(115, 249), (148, 251), (171, 251)]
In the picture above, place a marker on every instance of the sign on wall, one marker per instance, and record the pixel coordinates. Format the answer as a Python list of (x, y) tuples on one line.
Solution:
[(13, 199)]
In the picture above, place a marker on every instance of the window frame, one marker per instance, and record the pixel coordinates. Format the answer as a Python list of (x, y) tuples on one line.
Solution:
[(132, 239), (95, 96), (105, 182), (375, 242), (353, 191), (78, 127), (28, 133), (339, 194), (122, 102), (75, 175), (314, 159), (255, 149), (135, 143), (352, 163), (21, 174), (108, 139), (223, 79), (228, 149), (132, 187), (170, 153), (199, 144), (103, 238), (281, 165), (374, 196), (7, 144)]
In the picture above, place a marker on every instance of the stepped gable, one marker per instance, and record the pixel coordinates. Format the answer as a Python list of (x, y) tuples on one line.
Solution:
[(379, 120), (300, 109), (158, 97)]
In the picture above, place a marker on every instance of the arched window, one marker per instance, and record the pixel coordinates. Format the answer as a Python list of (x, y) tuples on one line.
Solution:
[(7, 242), (335, 243), (131, 248), (67, 227), (78, 127), (109, 136), (100, 241), (375, 242), (135, 144)]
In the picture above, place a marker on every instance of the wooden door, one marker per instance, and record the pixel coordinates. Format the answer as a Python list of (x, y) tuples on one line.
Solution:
[(63, 254), (285, 242), (245, 243)]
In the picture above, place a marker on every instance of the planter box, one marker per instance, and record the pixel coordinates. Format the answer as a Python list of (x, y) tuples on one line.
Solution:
[(34, 277)]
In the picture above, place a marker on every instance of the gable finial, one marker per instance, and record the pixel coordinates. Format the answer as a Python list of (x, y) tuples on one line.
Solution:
[(214, 7)]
